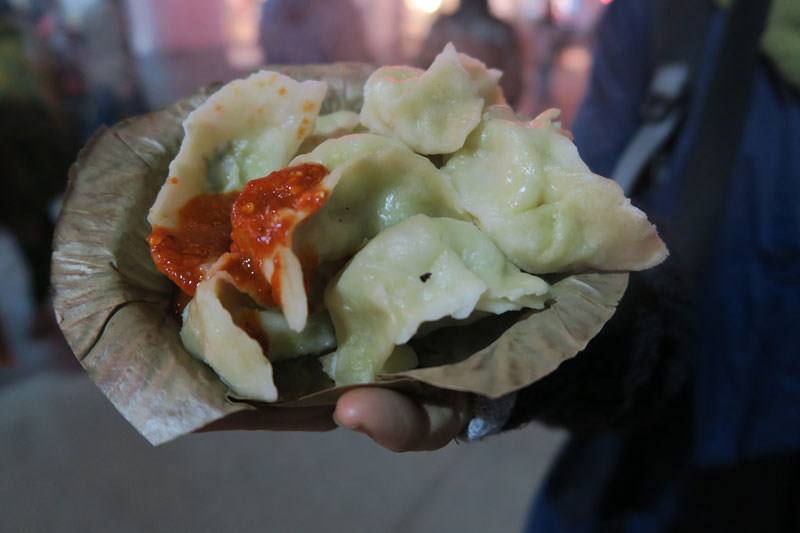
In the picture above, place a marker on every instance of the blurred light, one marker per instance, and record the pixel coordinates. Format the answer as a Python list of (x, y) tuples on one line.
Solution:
[(240, 26), (504, 9), (534, 9), (449, 6), (564, 8), (605, 1), (426, 6), (74, 12), (575, 59)]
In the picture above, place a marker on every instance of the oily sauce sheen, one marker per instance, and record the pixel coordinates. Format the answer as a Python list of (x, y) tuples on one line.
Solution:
[(242, 227), (203, 234), (269, 208)]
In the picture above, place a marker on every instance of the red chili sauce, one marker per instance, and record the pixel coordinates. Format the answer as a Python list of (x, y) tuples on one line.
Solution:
[(203, 234), (248, 227), (268, 210)]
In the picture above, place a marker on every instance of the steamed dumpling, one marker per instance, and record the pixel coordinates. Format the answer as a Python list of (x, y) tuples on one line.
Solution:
[(331, 126), (240, 342), (375, 190), (487, 79), (244, 131), (374, 183), (335, 152), (420, 270), (528, 189), (431, 111), (210, 333), (318, 337)]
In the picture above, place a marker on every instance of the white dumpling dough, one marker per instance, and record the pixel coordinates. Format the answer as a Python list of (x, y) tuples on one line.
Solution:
[(528, 189), (431, 111), (331, 126), (383, 185), (420, 270), (210, 333), (246, 130), (374, 183)]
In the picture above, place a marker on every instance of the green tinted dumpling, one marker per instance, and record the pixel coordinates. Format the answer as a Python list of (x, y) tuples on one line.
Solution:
[(374, 182), (244, 131), (431, 111), (528, 189), (420, 270), (333, 153), (211, 334), (331, 126), (316, 338), (374, 191)]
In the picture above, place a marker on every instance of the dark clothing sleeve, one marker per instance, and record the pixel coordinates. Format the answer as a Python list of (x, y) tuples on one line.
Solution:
[(627, 373)]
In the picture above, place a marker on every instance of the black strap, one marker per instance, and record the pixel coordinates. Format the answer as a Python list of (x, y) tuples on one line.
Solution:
[(709, 164)]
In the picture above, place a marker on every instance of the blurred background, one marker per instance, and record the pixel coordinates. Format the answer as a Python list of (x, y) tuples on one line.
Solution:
[(69, 462)]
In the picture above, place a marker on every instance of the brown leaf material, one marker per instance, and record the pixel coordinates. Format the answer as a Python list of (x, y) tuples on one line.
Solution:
[(113, 305)]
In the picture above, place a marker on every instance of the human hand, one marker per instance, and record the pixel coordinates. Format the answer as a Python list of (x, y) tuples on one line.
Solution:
[(400, 423), (391, 419)]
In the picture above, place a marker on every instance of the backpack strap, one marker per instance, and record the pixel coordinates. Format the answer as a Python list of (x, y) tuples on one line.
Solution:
[(662, 113), (678, 37)]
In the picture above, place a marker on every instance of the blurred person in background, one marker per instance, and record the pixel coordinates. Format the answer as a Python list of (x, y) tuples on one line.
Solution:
[(312, 31), (36, 145), (97, 44), (475, 31), (544, 39)]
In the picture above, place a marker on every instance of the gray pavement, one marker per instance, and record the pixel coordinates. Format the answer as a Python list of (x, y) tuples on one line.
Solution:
[(70, 462)]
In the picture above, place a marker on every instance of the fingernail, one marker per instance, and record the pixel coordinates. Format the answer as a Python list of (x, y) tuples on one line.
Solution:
[(354, 427)]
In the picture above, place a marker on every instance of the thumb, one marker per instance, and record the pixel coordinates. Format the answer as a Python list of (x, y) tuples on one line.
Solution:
[(400, 423)]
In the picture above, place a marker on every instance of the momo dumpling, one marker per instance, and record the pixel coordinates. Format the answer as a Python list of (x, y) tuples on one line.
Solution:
[(431, 111), (267, 213), (210, 333), (528, 189), (241, 342), (331, 126), (420, 270), (244, 131), (374, 182), (487, 79), (333, 153), (318, 337), (374, 190)]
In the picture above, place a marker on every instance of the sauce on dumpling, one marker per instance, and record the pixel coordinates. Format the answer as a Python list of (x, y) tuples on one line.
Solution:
[(266, 213), (239, 232), (202, 235)]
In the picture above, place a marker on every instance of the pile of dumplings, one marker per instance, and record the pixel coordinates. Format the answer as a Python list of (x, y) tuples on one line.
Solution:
[(444, 206)]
